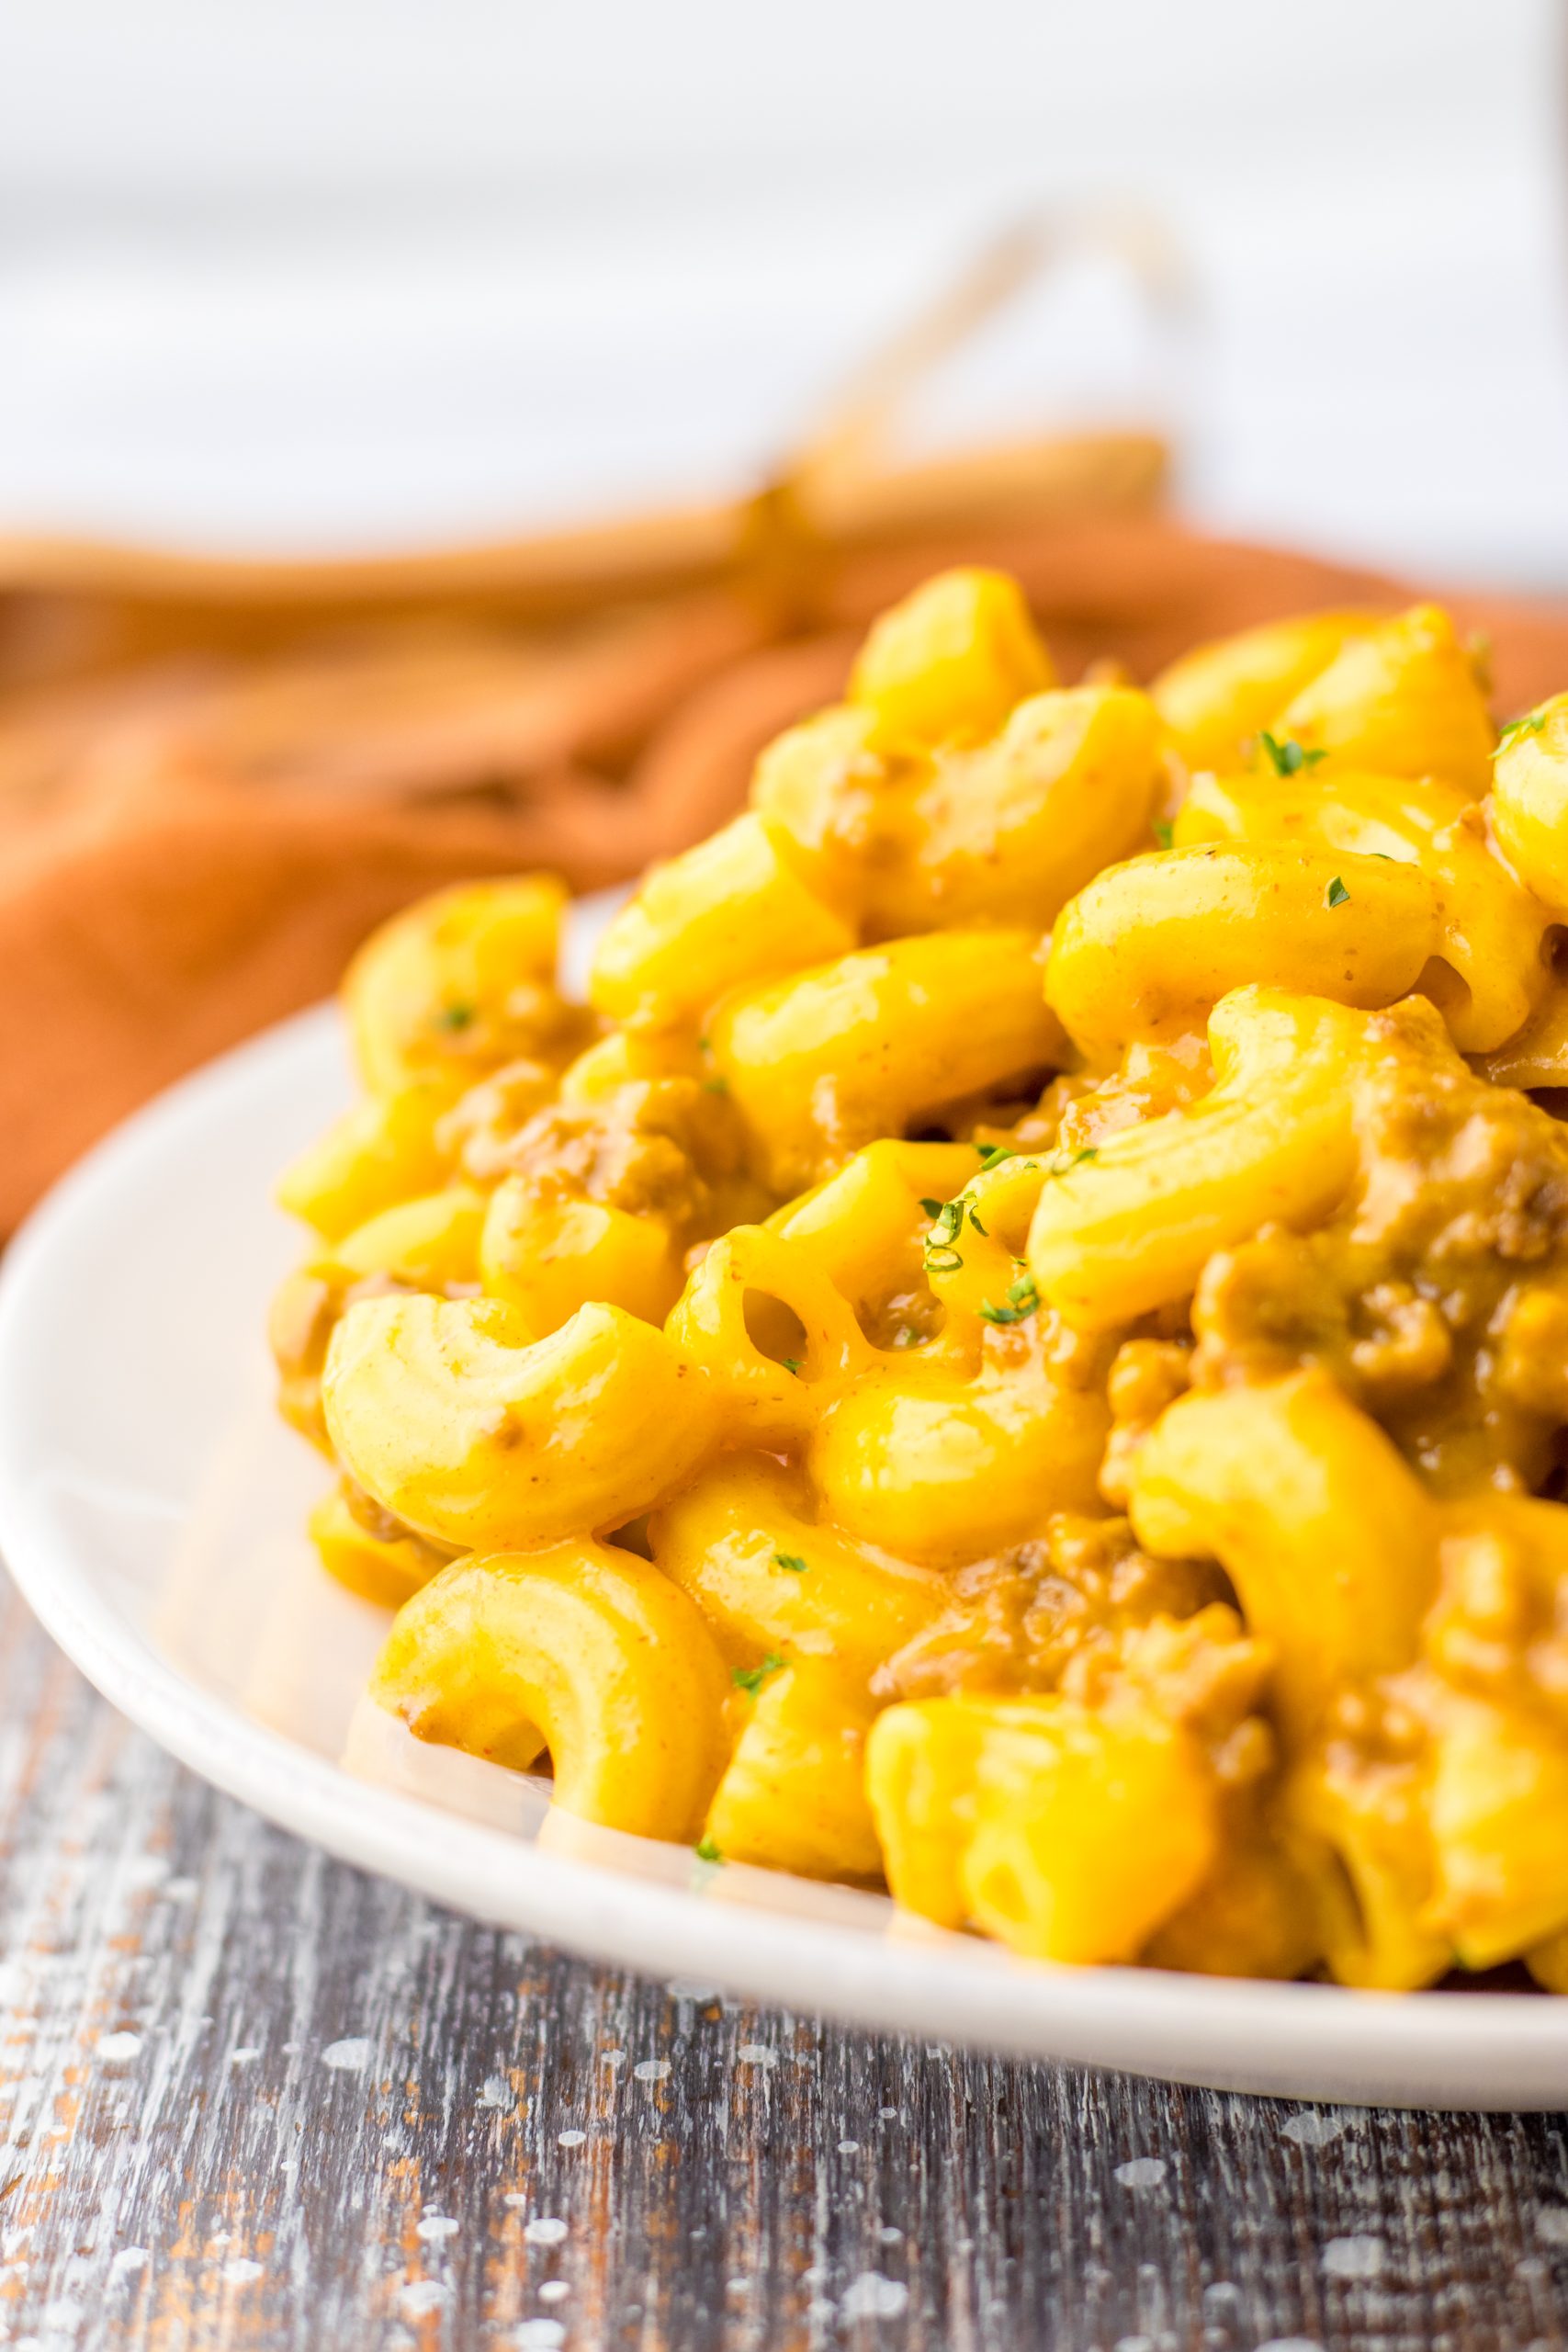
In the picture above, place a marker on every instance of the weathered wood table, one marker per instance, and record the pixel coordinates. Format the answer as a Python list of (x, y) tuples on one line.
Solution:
[(254, 2099)]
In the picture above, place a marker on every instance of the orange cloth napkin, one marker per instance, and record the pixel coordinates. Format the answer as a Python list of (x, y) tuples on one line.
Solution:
[(212, 788)]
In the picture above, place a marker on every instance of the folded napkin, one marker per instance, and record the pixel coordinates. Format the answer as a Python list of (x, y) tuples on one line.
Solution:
[(215, 779)]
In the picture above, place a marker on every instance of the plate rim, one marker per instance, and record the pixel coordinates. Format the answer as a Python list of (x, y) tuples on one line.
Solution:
[(1478, 2050)]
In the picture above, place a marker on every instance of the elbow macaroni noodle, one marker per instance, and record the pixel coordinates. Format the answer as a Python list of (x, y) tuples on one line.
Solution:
[(1015, 1347)]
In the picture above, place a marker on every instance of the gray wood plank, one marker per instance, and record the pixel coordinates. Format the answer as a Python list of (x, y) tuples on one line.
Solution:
[(251, 2098)]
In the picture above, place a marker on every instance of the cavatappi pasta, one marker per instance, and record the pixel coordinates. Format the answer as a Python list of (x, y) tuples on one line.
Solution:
[(1018, 1344)]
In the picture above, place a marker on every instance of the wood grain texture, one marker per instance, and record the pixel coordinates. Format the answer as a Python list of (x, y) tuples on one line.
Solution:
[(253, 2099)]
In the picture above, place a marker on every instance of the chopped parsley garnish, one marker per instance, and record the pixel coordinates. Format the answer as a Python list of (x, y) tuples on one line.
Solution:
[(1530, 724), (790, 1560), (1065, 1161), (939, 1256), (707, 1851), (751, 1678), (1288, 757), (454, 1017), (1162, 830), (790, 1363), (1337, 893), (1024, 1297)]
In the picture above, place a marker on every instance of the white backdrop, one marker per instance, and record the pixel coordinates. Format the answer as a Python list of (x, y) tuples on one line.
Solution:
[(326, 272)]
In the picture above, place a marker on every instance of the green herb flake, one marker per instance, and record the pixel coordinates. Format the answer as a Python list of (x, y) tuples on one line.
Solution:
[(1065, 1161), (715, 1085), (939, 1256), (1288, 757), (1162, 831), (1337, 893), (1023, 1299), (707, 1851), (790, 1560), (1530, 724), (790, 1363), (456, 1017), (751, 1678)]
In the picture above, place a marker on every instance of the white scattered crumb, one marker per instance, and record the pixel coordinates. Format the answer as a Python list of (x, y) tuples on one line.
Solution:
[(241, 2271), (570, 2139), (1290, 2344), (129, 2258), (848, 2147), (245, 2055), (888, 2114), (757, 2053), (348, 2056), (1134, 2344), (119, 2047), (433, 2227), (544, 2229), (1552, 2225), (1313, 2128), (555, 2290), (1354, 2257), (539, 2335), (871, 2296), (611, 2057), (685, 1988), (889, 2235), (651, 2070), (421, 2296), (497, 2092), (1142, 2172)]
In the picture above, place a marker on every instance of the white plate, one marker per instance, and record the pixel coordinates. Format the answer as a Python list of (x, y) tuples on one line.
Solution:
[(151, 1509)]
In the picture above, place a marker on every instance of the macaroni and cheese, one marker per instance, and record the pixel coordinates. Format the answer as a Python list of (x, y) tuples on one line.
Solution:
[(1016, 1346)]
